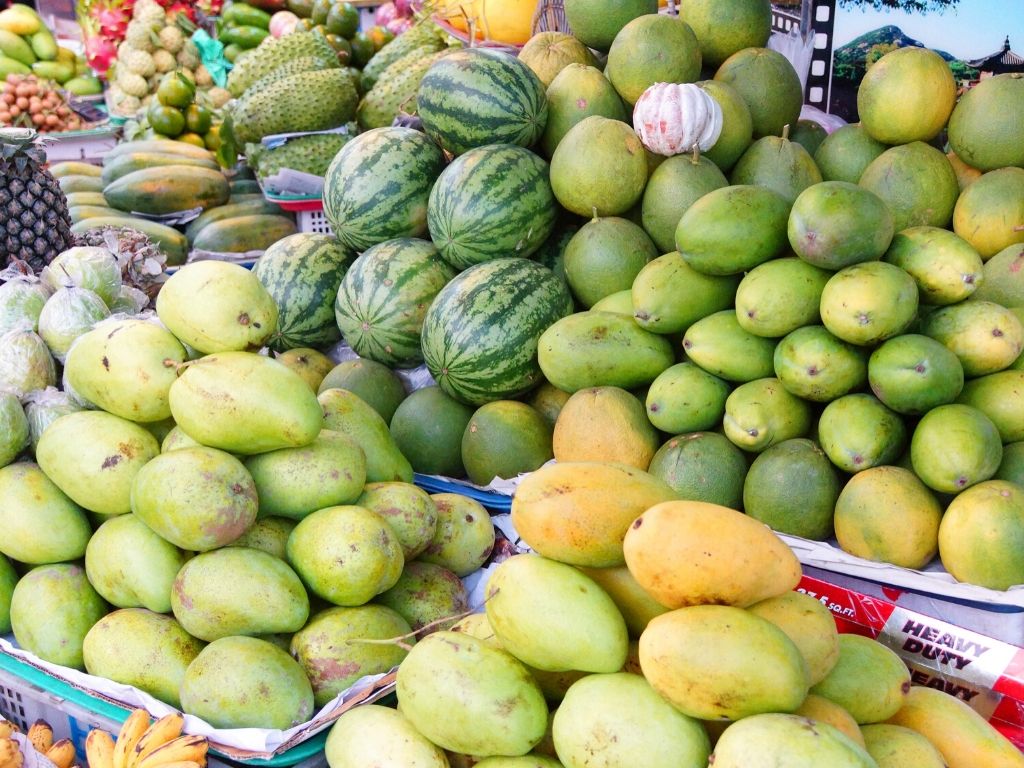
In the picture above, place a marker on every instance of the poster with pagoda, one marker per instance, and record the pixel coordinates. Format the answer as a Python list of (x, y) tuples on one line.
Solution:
[(976, 37)]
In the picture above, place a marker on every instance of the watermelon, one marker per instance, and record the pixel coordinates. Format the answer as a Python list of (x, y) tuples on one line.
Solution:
[(492, 201), (480, 334), (377, 186), (479, 96), (384, 296), (302, 273)]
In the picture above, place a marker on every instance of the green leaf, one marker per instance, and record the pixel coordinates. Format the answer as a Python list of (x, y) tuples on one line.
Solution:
[(227, 152)]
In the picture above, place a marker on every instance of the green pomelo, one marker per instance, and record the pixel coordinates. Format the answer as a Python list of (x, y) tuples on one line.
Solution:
[(372, 733), (428, 596), (94, 457), (41, 525), (292, 482), (686, 398), (548, 53), (578, 92), (491, 703), (599, 168), (1000, 396), (809, 624), (331, 654), (721, 662), (53, 607), (846, 152), (1002, 278), (595, 24), (918, 184), (985, 127), (955, 447), (574, 626), (67, 315), (1012, 466), (892, 746), (858, 432), (986, 337), (146, 650), (20, 305), (737, 124), (92, 268), (720, 346), (427, 428), (869, 681), (407, 509), (622, 718), (673, 187), (733, 229), (945, 267), (809, 135), (779, 164), (770, 86), (268, 534), (376, 385), (989, 212), (346, 555), (464, 536), (503, 439), (130, 566), (982, 535), (888, 515), (835, 224), (725, 27), (653, 48), (868, 303), (761, 413), (604, 257), (767, 740), (702, 466), (913, 374), (669, 295), (779, 296), (238, 591), (813, 364), (242, 682), (196, 498), (792, 488), (8, 580), (346, 413)]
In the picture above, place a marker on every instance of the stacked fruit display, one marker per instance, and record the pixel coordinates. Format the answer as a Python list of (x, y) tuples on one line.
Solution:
[(339, 22), (176, 113), (146, 744), (26, 101), (241, 27), (28, 47)]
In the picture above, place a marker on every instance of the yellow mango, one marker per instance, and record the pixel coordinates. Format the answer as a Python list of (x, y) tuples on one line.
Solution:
[(578, 512), (773, 740), (605, 424), (692, 553), (893, 746), (824, 711), (635, 605), (957, 731), (809, 624), (870, 681)]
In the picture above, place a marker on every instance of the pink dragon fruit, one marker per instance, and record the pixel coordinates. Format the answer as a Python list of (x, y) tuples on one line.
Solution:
[(113, 22), (398, 26), (384, 14), (100, 53), (403, 8)]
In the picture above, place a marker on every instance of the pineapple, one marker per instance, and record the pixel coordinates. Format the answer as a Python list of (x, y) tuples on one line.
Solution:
[(164, 61), (171, 39), (34, 221), (139, 63)]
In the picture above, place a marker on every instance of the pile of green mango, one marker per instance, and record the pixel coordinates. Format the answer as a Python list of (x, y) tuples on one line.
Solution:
[(28, 47)]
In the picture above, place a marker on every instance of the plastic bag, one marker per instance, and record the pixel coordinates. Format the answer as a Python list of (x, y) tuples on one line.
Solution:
[(13, 428), (45, 406), (95, 269), (129, 301), (68, 314), (25, 363), (21, 301)]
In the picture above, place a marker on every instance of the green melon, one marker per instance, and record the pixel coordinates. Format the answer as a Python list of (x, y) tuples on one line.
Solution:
[(503, 439), (374, 383), (650, 49), (427, 428), (604, 257)]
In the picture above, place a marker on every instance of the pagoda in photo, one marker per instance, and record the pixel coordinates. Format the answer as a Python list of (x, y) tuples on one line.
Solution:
[(999, 62)]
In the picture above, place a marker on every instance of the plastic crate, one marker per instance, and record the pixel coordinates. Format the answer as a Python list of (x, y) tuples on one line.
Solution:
[(313, 221)]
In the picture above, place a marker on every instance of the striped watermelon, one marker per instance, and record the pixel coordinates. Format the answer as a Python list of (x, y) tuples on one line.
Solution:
[(492, 201), (480, 334), (384, 296), (302, 273), (377, 186), (479, 96)]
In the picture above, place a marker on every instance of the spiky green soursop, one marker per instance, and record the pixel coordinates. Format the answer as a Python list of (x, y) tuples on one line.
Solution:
[(396, 89), (274, 52), (309, 154), (308, 101), (424, 33), (295, 67)]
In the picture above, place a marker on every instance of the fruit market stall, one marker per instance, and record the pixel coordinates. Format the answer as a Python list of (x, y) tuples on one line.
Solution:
[(613, 409)]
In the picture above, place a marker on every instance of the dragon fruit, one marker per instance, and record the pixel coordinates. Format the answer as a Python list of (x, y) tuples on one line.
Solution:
[(403, 7), (100, 53), (384, 14), (398, 26)]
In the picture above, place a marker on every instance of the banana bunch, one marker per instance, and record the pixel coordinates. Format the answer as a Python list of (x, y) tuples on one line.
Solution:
[(61, 753), (141, 744)]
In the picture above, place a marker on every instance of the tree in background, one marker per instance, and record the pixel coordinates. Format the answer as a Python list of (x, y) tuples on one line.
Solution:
[(910, 6)]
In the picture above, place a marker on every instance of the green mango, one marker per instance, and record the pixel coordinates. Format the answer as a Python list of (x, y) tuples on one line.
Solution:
[(463, 537), (719, 345), (858, 432), (813, 364), (985, 336), (238, 591), (84, 85), (243, 682), (8, 580), (669, 295), (407, 509), (131, 566), (269, 534), (892, 746), (769, 740), (52, 609), (347, 413), (761, 413), (869, 303), (946, 268), (809, 624), (16, 47), (45, 47), (954, 447), (1000, 396), (778, 297), (469, 697), (141, 648), (9, 66), (426, 594), (913, 374), (686, 398), (835, 224), (371, 734), (59, 71), (275, 409), (176, 439), (869, 681)]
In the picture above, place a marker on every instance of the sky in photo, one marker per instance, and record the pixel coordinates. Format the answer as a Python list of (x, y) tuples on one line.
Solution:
[(973, 29)]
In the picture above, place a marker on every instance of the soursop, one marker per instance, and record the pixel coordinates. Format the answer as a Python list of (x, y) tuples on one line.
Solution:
[(423, 34), (396, 89), (308, 101), (272, 53), (294, 67), (309, 154)]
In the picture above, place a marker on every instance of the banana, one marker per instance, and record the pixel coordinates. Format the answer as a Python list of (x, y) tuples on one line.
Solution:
[(99, 749), (182, 749), (163, 731), (10, 754), (62, 753), (40, 736), (7, 728), (131, 731)]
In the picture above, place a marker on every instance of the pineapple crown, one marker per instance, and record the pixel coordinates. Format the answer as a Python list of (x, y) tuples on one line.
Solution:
[(20, 146)]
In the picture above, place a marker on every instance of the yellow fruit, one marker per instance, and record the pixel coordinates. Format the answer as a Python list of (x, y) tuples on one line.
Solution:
[(810, 626), (604, 424), (503, 21), (824, 711), (990, 212)]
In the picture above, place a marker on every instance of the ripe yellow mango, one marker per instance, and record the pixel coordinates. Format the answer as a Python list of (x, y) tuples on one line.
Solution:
[(824, 711), (693, 553), (717, 662), (378, 735), (809, 624), (893, 746), (771, 740), (579, 512), (869, 681), (636, 606), (957, 731)]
